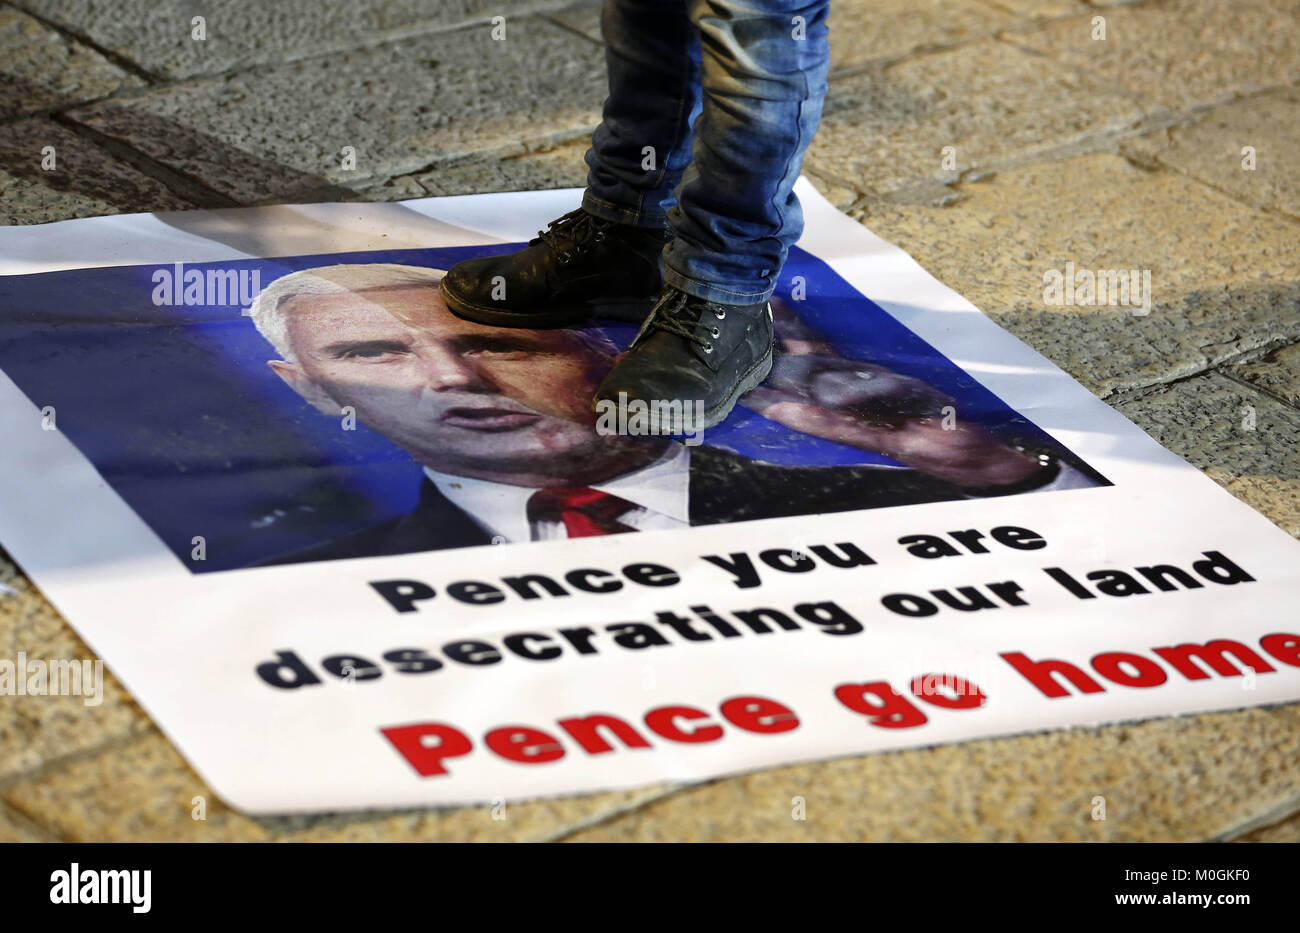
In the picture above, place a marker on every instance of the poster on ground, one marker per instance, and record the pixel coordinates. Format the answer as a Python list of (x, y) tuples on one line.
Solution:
[(309, 518)]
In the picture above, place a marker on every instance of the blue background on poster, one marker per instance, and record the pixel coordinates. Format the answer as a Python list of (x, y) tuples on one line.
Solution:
[(177, 409)]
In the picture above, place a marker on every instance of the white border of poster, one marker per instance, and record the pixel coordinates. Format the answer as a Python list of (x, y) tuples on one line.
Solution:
[(186, 645)]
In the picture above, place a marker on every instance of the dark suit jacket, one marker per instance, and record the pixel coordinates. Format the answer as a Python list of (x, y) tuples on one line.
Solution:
[(723, 487)]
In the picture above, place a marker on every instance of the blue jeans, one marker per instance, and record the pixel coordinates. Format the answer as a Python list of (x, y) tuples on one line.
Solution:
[(754, 73)]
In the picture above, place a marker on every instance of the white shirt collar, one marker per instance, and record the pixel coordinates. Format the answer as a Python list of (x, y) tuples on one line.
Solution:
[(501, 509)]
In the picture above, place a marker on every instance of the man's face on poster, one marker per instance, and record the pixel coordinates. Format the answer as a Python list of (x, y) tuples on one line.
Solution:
[(453, 393)]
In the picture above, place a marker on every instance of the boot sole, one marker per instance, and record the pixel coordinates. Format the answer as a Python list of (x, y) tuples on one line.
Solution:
[(751, 380), (625, 309)]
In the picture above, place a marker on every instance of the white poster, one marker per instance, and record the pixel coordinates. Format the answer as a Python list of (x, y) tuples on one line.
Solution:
[(289, 499)]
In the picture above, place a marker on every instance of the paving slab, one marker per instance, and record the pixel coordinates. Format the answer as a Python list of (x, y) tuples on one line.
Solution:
[(40, 68), (888, 128), (1245, 441), (1287, 830), (1180, 53), (401, 188), (1043, 9), (559, 167), (865, 31), (14, 827), (1277, 373), (1182, 779), (841, 195), (145, 791), (400, 108), (37, 731), (159, 36), (583, 19), (1220, 287), (1248, 148), (86, 181)]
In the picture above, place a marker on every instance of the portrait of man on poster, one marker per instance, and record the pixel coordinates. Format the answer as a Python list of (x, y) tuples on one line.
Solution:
[(501, 422)]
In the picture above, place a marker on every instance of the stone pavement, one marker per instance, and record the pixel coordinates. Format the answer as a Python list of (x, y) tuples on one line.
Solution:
[(1123, 152)]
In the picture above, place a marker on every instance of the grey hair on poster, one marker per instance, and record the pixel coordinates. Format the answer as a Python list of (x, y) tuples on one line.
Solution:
[(271, 317)]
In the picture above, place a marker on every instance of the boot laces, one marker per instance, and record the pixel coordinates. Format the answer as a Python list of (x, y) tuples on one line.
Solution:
[(571, 232), (678, 313)]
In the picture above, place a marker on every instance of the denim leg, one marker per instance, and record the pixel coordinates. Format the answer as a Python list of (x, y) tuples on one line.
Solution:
[(652, 57), (764, 67)]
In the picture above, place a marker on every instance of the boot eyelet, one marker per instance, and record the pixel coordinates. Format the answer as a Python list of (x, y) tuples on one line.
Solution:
[(708, 348), (719, 315), (714, 332)]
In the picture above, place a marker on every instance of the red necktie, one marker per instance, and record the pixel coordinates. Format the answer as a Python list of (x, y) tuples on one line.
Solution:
[(584, 511)]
